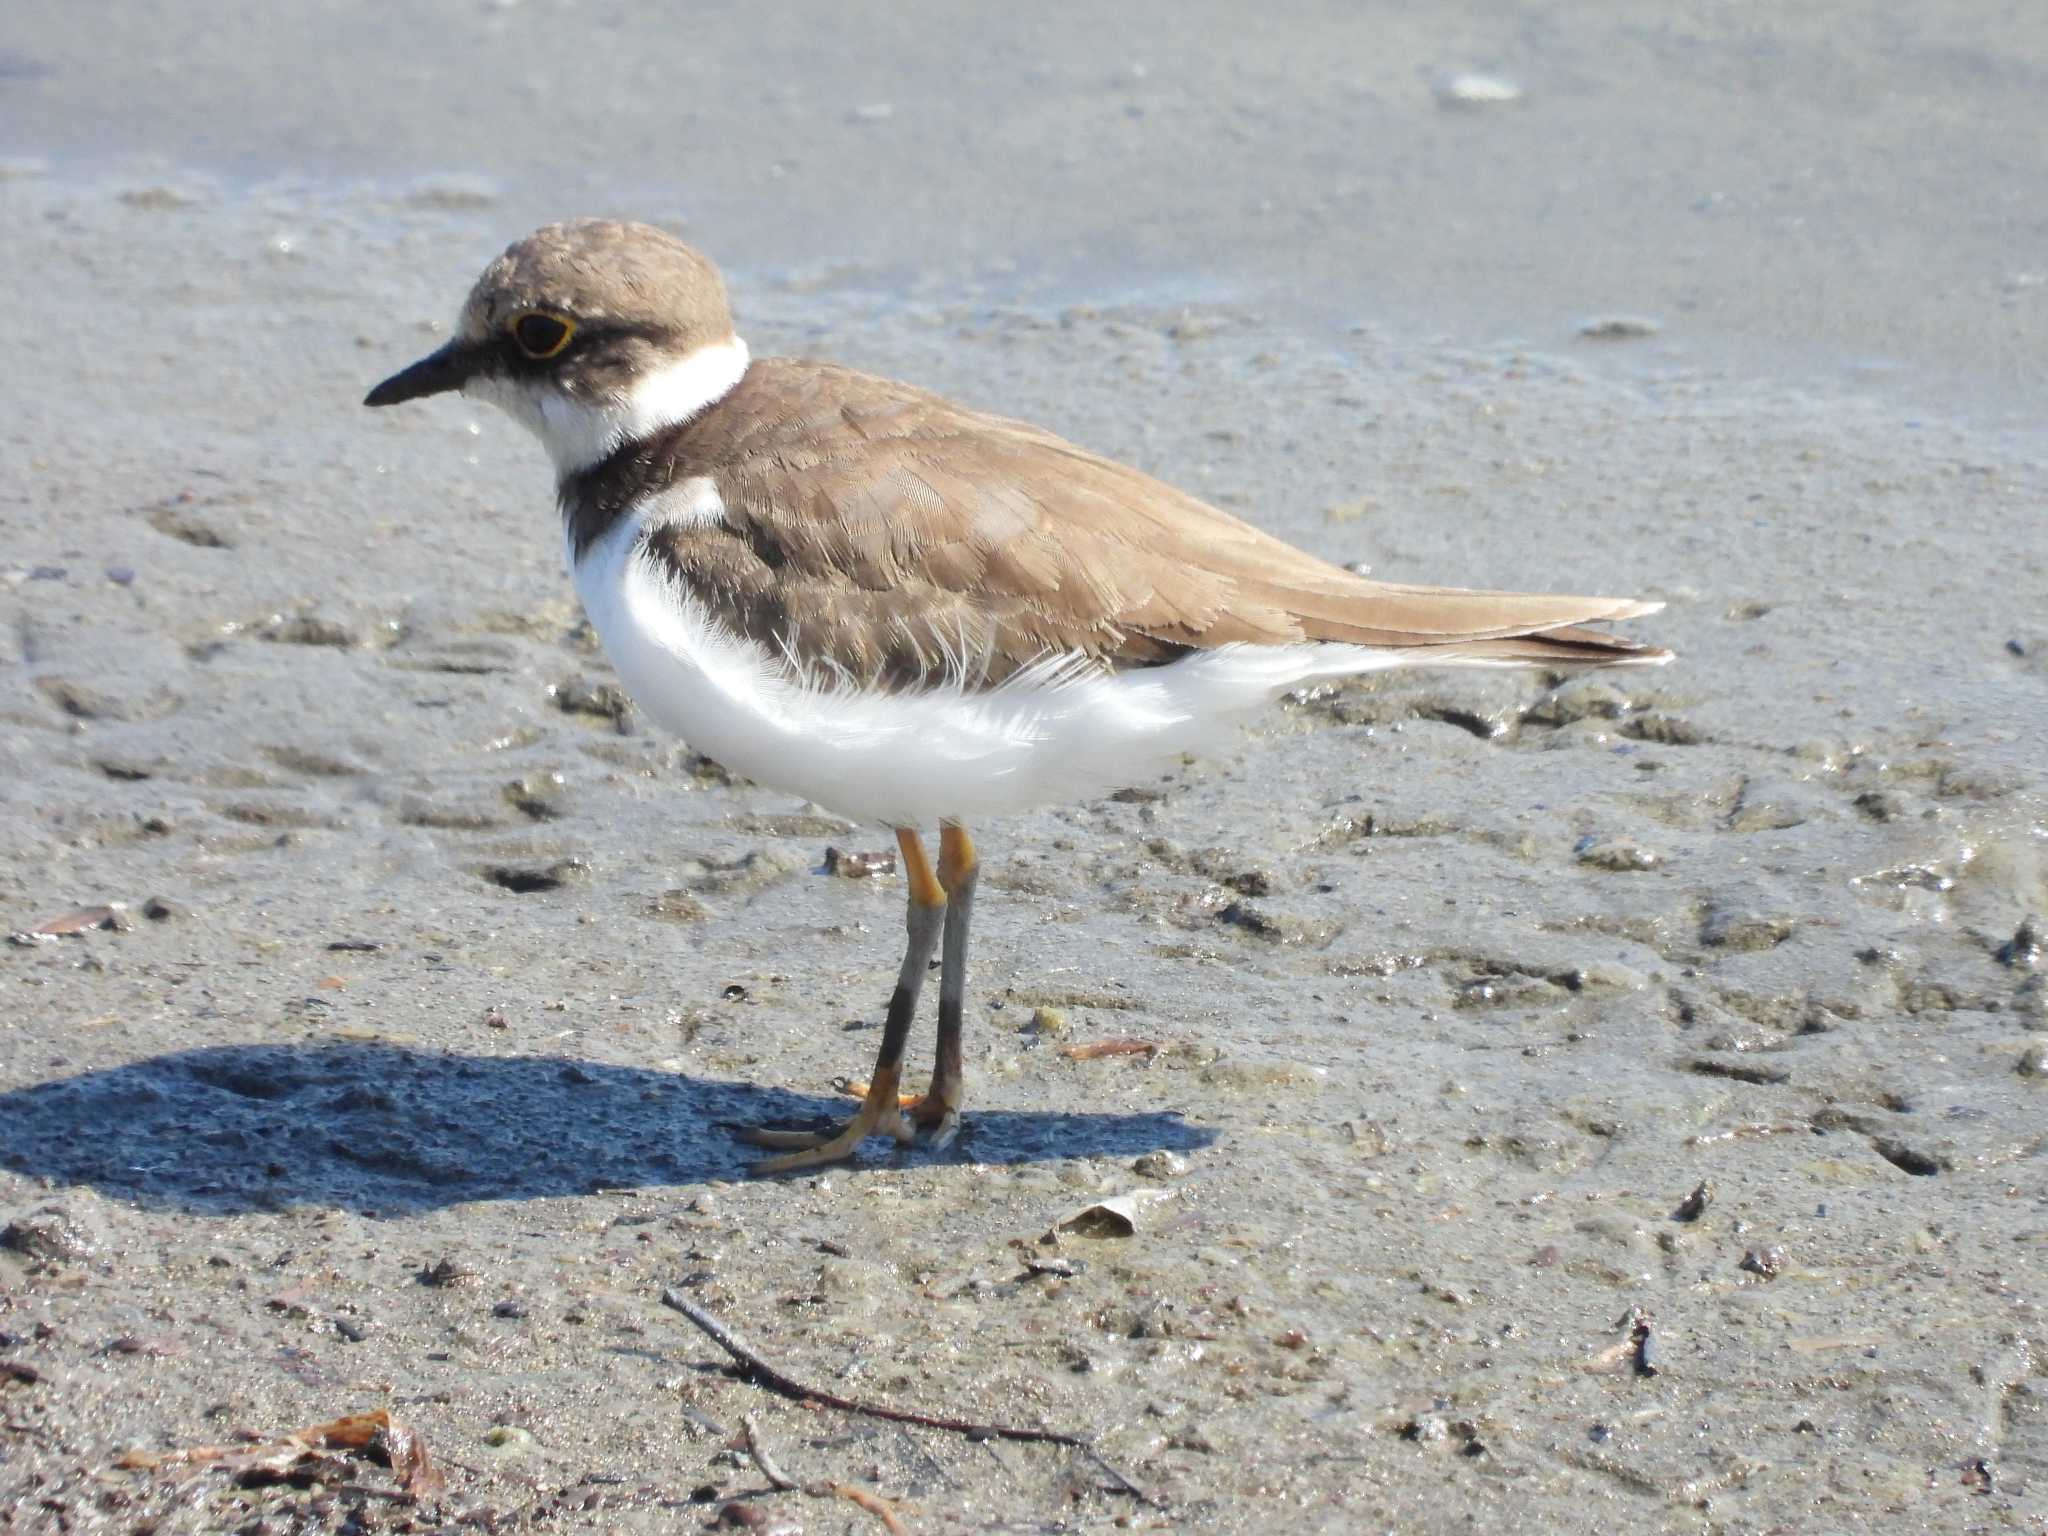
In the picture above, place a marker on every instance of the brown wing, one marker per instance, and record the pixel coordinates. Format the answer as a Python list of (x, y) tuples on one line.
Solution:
[(883, 529)]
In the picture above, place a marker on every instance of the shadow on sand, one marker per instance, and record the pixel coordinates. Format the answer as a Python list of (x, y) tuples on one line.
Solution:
[(382, 1129)]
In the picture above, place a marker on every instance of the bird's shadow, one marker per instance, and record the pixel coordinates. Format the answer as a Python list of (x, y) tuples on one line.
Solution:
[(382, 1128)]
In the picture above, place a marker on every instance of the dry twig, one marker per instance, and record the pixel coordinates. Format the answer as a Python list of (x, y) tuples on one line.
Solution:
[(873, 1503), (763, 1462), (1093, 1049), (789, 1386), (779, 1381)]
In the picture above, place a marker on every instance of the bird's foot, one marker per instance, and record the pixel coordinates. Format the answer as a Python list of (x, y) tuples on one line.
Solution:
[(935, 1113), (880, 1114)]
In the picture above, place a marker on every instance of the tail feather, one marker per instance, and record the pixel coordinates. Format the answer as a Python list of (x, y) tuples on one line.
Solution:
[(1568, 647)]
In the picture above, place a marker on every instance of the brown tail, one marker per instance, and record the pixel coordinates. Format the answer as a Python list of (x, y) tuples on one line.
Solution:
[(1571, 647)]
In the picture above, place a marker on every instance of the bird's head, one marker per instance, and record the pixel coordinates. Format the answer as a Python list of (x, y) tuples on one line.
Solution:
[(593, 334)]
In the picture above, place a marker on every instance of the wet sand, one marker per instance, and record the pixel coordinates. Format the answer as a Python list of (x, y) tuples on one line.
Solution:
[(1617, 1103)]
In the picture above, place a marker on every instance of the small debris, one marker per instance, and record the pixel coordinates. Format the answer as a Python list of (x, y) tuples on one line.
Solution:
[(445, 1272), (1044, 1021), (2033, 1062), (1095, 1049), (113, 918), (1645, 1340), (310, 629), (361, 946), (161, 909), (21, 1375), (510, 1440), (376, 1433), (2023, 950), (764, 1463), (1694, 1205), (873, 1503), (1160, 1165), (1472, 90), (1621, 855), (677, 906), (1768, 1262), (1116, 1216), (1619, 328), (1744, 930), (849, 865), (1636, 1349), (1057, 1268), (602, 701), (49, 1236), (527, 879)]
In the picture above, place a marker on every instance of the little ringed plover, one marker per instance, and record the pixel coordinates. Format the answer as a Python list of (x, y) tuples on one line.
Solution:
[(905, 610)]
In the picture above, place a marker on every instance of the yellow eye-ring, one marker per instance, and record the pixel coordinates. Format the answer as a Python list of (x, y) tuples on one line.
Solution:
[(541, 335)]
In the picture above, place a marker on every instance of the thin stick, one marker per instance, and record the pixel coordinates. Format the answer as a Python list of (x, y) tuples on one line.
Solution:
[(873, 1503), (768, 1376), (1124, 1484), (789, 1386), (763, 1462)]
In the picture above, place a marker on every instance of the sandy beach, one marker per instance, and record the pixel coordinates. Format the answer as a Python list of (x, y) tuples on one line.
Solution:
[(1614, 1102)]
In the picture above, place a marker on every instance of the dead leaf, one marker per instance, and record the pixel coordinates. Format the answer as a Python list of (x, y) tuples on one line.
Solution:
[(377, 1432), (113, 916)]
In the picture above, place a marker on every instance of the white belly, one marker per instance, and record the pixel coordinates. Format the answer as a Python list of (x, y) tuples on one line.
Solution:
[(1058, 731)]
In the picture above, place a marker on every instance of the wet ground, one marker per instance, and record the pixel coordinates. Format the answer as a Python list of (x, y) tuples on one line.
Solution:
[(1617, 1100)]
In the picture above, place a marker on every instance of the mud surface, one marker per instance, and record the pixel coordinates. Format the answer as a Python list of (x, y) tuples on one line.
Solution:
[(1617, 1103)]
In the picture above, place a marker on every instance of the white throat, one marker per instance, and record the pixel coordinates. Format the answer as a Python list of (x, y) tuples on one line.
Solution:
[(580, 433)]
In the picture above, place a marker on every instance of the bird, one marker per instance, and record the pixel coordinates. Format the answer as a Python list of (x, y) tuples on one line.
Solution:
[(907, 610)]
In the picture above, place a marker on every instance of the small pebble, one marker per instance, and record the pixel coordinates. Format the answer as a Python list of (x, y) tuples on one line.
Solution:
[(1694, 1205), (2023, 950), (1619, 328), (851, 865), (1621, 855), (1160, 1165), (1472, 90), (49, 1235), (1045, 1021), (1768, 1262), (509, 1440)]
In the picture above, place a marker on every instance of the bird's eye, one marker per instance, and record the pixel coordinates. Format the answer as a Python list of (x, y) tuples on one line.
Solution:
[(541, 335)]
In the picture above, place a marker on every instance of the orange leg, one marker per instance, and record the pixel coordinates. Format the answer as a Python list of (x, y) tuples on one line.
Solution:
[(938, 1112), (879, 1112)]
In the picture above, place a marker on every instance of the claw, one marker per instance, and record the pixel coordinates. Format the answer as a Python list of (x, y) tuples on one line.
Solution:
[(878, 1115)]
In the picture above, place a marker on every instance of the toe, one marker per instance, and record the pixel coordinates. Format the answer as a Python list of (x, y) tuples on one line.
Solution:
[(782, 1141)]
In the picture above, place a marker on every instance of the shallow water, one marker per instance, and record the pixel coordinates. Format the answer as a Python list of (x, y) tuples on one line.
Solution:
[(1459, 987)]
